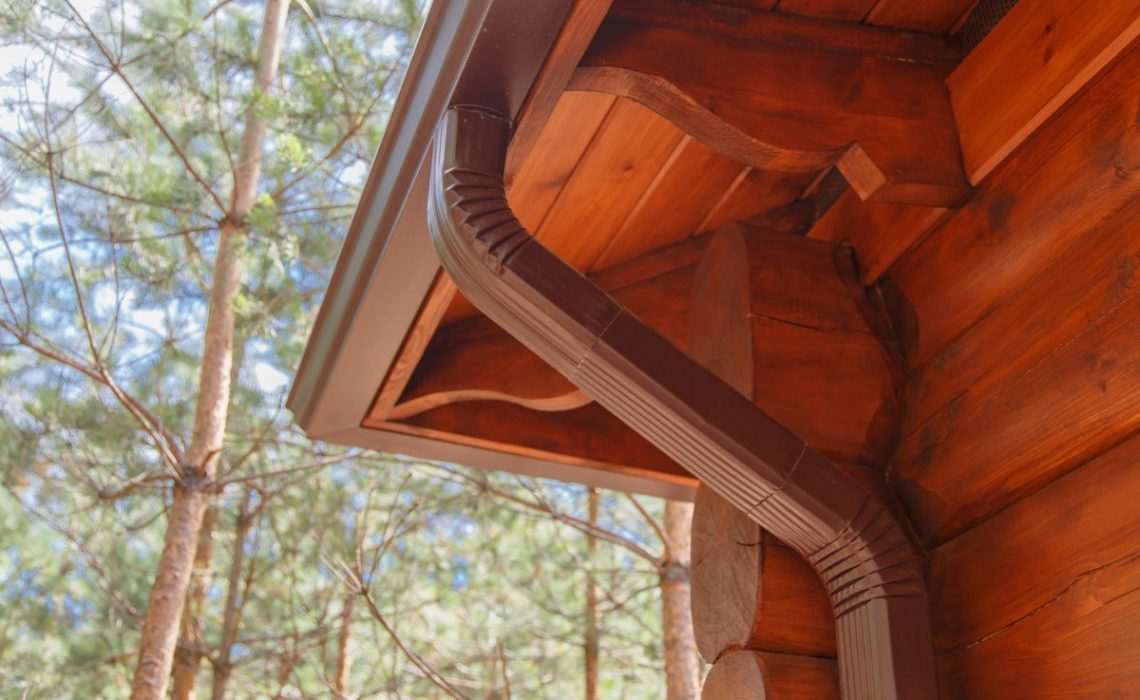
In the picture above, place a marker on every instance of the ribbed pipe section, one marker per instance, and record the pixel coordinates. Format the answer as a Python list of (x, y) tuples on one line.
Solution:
[(853, 542)]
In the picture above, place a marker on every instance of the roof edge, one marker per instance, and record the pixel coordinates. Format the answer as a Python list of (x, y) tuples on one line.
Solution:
[(387, 263)]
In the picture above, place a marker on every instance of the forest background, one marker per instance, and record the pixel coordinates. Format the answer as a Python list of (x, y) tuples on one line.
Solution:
[(176, 177)]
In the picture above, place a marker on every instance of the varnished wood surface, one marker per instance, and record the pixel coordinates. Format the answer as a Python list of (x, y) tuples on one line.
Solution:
[(588, 435), (1029, 66), (746, 675), (933, 16), (610, 181), (1021, 320), (1014, 565), (747, 591), (845, 10), (423, 329), (1069, 177), (1081, 646), (802, 108), (577, 30), (880, 233)]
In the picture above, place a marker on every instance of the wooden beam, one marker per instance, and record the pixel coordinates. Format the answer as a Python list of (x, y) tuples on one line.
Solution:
[(1038, 58), (499, 368), (932, 16), (870, 101), (879, 232), (980, 428), (842, 10), (577, 32), (749, 591), (994, 445)]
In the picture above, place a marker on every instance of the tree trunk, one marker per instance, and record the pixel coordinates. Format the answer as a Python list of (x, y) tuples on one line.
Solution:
[(343, 647), (591, 643), (231, 618), (682, 664), (192, 493), (188, 655)]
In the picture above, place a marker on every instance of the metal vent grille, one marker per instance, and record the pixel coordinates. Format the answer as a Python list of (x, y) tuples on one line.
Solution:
[(983, 20)]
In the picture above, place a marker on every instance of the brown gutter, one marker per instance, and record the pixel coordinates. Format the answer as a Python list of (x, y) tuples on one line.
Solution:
[(877, 590)]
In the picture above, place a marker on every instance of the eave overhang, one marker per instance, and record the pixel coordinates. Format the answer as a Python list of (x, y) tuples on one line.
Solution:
[(387, 263)]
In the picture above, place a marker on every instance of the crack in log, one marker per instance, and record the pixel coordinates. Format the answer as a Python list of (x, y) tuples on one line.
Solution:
[(1084, 576)]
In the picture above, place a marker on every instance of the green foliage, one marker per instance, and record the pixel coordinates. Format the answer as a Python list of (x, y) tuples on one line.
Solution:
[(109, 224)]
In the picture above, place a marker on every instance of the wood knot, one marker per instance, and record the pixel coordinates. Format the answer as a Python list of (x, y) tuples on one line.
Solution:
[(1128, 154)]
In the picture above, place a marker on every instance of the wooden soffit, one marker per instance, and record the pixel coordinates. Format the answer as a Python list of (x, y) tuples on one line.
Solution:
[(641, 127)]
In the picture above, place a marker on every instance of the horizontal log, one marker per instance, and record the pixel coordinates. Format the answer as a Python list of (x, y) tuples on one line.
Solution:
[(746, 675), (1097, 273), (831, 388), (990, 448), (1062, 184), (749, 591), (1039, 548), (811, 97), (1083, 644), (843, 10), (1036, 59)]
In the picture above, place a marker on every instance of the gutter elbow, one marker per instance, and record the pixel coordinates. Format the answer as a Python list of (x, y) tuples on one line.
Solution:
[(854, 543)]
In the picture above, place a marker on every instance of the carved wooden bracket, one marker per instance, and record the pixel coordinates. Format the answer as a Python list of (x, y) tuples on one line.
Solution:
[(859, 551), (785, 93)]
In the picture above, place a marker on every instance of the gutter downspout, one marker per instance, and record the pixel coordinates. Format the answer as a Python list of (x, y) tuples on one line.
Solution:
[(877, 590)]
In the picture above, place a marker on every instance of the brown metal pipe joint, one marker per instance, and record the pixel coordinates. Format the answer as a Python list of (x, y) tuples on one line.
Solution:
[(876, 587)]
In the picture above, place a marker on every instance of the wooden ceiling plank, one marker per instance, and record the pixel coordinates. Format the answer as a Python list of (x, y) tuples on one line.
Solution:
[(1038, 57), (578, 30), (765, 198), (621, 162), (673, 209), (885, 122), (572, 127), (931, 16), (670, 166)]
